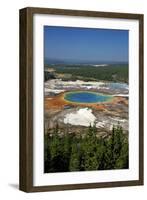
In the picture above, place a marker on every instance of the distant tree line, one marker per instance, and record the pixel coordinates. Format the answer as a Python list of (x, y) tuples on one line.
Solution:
[(84, 153), (115, 73)]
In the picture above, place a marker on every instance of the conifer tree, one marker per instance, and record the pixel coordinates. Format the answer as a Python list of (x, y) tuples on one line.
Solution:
[(123, 162), (89, 150), (66, 150), (46, 154), (74, 164)]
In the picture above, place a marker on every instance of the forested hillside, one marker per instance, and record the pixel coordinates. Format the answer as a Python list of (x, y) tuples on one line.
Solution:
[(77, 153)]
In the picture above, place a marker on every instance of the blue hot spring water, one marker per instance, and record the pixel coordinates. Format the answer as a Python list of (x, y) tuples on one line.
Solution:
[(86, 97)]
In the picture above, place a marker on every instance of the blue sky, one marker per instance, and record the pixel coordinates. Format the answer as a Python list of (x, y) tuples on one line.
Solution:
[(85, 44)]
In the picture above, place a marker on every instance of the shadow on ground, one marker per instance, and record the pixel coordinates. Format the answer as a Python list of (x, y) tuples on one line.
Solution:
[(14, 185)]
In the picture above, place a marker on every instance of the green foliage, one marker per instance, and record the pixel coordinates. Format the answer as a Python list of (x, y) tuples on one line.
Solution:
[(114, 146), (74, 164), (85, 152), (47, 159), (89, 150), (123, 161), (115, 72)]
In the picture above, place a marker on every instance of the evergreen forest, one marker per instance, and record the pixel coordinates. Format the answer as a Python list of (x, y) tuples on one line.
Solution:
[(85, 152)]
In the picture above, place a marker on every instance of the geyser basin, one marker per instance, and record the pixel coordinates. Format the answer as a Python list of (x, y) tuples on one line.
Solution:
[(86, 97)]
